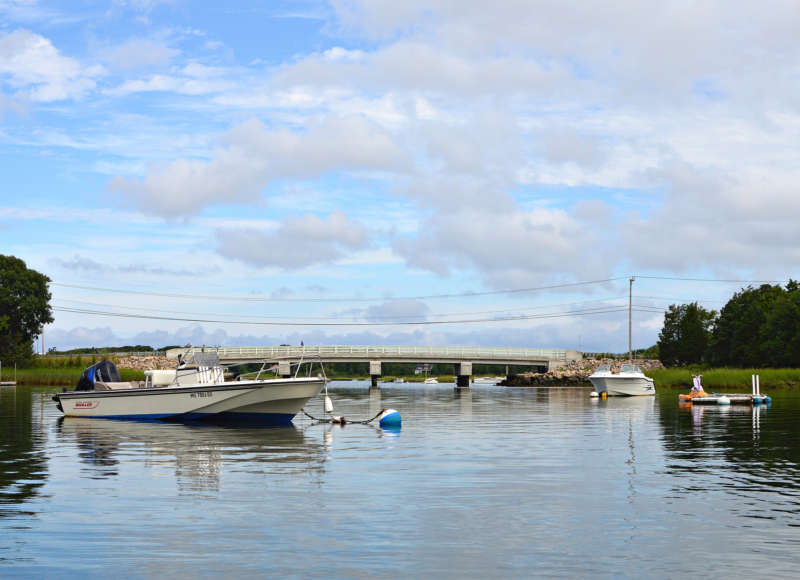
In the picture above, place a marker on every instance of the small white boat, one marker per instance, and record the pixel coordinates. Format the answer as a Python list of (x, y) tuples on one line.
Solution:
[(431, 381), (629, 381), (187, 395), (487, 380)]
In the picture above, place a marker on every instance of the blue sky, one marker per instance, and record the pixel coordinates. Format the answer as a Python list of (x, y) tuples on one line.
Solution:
[(343, 162)]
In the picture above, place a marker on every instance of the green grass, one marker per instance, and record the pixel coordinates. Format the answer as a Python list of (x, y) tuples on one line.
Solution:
[(733, 380), (61, 376)]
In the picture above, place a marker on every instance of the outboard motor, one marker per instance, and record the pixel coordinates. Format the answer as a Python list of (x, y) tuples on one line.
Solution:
[(105, 371)]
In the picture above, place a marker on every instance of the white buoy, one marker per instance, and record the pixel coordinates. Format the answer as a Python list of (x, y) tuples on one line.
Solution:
[(723, 400), (594, 394), (328, 404)]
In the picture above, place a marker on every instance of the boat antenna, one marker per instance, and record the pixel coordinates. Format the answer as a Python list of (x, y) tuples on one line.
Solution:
[(630, 319)]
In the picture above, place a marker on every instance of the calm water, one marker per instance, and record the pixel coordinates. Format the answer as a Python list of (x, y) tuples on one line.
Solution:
[(493, 482)]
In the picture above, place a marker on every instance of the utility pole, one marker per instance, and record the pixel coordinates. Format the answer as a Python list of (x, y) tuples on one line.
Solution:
[(630, 319)]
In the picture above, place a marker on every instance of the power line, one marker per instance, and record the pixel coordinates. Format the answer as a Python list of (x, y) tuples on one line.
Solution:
[(711, 280), (334, 299), (597, 301), (392, 323)]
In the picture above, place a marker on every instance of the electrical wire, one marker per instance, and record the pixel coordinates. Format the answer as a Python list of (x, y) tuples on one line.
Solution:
[(567, 314), (335, 299), (597, 301)]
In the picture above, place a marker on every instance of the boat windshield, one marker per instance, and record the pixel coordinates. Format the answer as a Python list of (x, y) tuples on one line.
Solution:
[(603, 369), (630, 369)]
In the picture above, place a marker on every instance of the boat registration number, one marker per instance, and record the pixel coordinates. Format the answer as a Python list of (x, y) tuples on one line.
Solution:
[(201, 394)]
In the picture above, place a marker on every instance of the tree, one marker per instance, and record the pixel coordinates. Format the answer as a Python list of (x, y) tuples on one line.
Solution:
[(24, 309), (685, 335), (740, 329)]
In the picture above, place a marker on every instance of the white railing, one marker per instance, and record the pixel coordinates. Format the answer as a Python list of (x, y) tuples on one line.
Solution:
[(410, 353)]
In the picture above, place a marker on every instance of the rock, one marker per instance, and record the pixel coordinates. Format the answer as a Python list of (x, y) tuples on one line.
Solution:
[(576, 372), (144, 363)]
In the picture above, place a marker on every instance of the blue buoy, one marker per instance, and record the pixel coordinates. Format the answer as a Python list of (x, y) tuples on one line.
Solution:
[(390, 418), (767, 399)]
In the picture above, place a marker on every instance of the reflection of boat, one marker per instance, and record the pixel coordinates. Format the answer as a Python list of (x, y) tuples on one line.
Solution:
[(629, 381), (431, 381), (197, 452), (187, 394)]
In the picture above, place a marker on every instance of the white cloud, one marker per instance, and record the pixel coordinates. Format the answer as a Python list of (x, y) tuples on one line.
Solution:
[(397, 310), (252, 157), (509, 249), (139, 53), (299, 242), (31, 64)]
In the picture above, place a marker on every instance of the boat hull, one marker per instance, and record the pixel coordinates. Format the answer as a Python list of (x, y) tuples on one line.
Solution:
[(269, 402), (623, 386)]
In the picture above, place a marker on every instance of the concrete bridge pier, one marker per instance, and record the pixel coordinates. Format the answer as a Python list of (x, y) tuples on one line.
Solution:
[(284, 369), (374, 373), (463, 373)]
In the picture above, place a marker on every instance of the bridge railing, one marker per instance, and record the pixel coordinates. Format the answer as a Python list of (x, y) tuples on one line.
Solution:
[(334, 352)]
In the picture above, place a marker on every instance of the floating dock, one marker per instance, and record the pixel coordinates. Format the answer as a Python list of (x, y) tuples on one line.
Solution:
[(732, 399), (754, 398), (8, 383)]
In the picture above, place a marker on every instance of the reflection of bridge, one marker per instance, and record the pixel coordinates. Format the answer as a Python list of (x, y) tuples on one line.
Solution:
[(463, 357)]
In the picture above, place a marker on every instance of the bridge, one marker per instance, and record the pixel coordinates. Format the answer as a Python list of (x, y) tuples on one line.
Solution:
[(462, 357)]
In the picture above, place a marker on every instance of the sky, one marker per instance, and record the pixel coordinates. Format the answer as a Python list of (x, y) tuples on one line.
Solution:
[(435, 173)]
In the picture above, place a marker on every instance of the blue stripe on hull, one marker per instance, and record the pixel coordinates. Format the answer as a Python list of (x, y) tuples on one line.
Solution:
[(262, 419)]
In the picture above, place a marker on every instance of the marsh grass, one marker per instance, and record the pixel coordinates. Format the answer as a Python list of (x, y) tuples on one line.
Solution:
[(729, 379), (61, 375)]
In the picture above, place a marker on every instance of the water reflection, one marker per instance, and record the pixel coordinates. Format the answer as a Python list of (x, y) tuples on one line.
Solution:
[(464, 398), (747, 451), (197, 452), (23, 461)]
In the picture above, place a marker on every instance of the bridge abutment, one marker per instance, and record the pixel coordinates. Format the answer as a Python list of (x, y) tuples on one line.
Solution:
[(374, 373), (463, 373)]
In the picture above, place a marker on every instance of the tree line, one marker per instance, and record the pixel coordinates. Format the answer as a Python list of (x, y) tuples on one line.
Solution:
[(757, 327), (24, 309)]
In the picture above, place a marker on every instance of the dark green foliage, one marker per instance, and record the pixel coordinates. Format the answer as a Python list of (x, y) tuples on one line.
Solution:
[(24, 309), (650, 352), (686, 334), (107, 349), (759, 327)]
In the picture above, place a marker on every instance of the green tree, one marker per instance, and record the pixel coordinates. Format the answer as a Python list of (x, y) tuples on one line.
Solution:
[(24, 309), (780, 333), (685, 335), (740, 329)]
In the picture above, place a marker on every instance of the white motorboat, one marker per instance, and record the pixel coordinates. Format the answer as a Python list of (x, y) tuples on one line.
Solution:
[(487, 380), (187, 394), (431, 381), (629, 381)]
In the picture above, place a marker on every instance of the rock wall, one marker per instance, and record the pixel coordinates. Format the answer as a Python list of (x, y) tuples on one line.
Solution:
[(144, 363), (577, 372)]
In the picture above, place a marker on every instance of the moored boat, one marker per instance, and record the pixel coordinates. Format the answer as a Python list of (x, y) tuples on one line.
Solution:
[(629, 381), (187, 394), (487, 380)]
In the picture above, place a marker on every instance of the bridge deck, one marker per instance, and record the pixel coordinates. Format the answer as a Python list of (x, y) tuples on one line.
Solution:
[(407, 354)]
